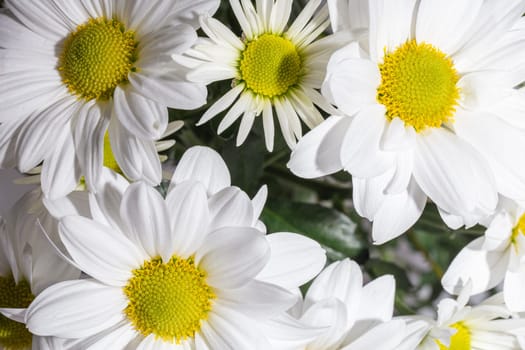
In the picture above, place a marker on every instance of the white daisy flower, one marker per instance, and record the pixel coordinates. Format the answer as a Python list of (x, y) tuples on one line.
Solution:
[(487, 326), (428, 109), (497, 256), (71, 71), (28, 265), (350, 315), (272, 66), (187, 272)]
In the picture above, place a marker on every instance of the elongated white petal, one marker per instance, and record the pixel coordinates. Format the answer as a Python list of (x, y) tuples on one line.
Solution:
[(75, 309), (204, 165), (146, 215), (187, 205), (233, 256), (103, 254), (294, 260)]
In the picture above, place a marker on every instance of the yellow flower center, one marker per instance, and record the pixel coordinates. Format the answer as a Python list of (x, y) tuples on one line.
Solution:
[(169, 300), (97, 57), (459, 341), (518, 229), (270, 65), (418, 85), (14, 335), (109, 157)]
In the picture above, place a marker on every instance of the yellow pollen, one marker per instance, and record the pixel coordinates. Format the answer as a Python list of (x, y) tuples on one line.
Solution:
[(169, 300), (418, 85), (97, 57), (270, 65), (518, 229), (460, 340), (14, 335)]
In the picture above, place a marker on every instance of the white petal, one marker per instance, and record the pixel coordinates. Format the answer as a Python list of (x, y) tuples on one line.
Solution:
[(229, 329), (386, 336), (37, 134), (280, 15), (294, 260), (390, 25), (60, 171), (25, 92), (75, 309), (318, 152), (483, 268), (146, 214), (102, 253), (14, 35), (398, 212), (342, 280), (189, 11), (330, 314), (258, 299), (190, 218), (514, 288), (116, 337), (43, 18), (167, 88), (90, 128), (360, 151), (142, 117), (105, 204), (268, 126), (453, 174), (351, 82), (233, 256), (501, 144), (377, 299), (230, 207), (17, 315), (205, 165), (445, 23), (221, 104), (137, 158)]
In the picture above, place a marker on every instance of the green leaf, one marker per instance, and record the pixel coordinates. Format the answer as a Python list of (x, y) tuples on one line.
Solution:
[(332, 229)]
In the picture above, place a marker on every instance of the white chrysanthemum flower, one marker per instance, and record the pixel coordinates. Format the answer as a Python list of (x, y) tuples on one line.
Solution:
[(28, 265), (429, 109), (188, 271), (487, 326), (71, 71), (497, 256), (272, 66), (344, 314)]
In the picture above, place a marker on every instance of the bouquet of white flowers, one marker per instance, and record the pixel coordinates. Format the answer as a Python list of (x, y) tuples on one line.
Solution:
[(158, 208)]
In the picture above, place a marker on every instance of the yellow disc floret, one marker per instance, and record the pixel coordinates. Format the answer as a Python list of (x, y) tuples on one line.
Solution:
[(270, 65), (418, 85), (14, 335), (518, 229), (169, 300), (460, 340), (97, 57), (109, 157)]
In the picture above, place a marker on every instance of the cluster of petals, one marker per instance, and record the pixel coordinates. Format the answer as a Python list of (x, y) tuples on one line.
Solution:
[(203, 217), (42, 121), (461, 165)]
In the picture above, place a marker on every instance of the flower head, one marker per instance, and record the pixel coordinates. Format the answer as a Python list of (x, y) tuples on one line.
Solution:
[(426, 107), (272, 67), (73, 73), (191, 270)]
